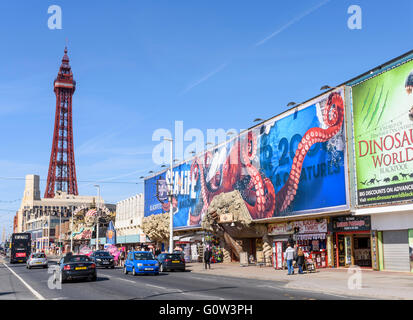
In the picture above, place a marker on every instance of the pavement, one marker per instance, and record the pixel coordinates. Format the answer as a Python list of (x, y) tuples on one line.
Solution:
[(341, 281)]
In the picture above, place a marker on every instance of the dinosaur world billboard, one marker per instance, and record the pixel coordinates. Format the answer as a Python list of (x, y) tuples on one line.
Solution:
[(290, 165), (383, 136)]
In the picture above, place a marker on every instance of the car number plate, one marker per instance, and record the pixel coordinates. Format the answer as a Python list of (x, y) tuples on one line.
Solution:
[(38, 263), (105, 262), (176, 261), (80, 268), (19, 260), (147, 269)]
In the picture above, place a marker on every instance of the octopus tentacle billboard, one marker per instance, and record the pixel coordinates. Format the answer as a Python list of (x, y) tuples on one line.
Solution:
[(290, 165)]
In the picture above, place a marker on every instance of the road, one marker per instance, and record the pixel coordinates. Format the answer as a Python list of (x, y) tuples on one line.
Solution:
[(112, 284)]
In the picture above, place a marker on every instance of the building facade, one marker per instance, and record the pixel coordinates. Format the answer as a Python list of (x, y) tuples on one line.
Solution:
[(40, 216), (129, 215)]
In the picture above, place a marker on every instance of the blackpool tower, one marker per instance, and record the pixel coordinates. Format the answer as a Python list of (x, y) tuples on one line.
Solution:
[(62, 170)]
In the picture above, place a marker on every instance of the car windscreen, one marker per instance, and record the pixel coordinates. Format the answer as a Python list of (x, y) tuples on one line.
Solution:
[(102, 254), (77, 259), (39, 255), (144, 256), (174, 256)]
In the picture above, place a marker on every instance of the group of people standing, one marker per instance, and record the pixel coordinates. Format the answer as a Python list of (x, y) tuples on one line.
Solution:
[(292, 254)]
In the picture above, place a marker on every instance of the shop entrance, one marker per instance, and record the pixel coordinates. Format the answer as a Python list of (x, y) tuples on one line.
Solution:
[(352, 249), (362, 250)]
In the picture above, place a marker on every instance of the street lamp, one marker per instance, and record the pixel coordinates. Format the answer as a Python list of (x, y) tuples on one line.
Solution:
[(97, 217), (326, 87), (71, 231), (171, 221)]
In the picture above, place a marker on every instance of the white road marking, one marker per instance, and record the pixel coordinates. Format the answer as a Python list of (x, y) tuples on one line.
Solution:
[(168, 290), (35, 293), (158, 287)]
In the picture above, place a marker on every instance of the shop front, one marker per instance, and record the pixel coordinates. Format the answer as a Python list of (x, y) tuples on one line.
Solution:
[(352, 241), (393, 226), (309, 235)]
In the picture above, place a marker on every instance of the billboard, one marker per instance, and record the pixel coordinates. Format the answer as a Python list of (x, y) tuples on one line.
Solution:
[(383, 137), (290, 165)]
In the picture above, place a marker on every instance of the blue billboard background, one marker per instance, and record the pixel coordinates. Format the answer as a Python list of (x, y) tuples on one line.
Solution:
[(263, 172)]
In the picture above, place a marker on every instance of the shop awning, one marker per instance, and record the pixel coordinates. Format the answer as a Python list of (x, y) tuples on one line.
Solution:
[(310, 236), (388, 209)]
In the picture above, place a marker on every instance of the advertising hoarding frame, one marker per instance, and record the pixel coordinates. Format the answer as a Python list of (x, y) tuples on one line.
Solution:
[(354, 189), (318, 211)]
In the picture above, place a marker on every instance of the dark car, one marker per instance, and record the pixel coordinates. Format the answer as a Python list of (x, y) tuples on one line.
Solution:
[(103, 259), (73, 267), (171, 261)]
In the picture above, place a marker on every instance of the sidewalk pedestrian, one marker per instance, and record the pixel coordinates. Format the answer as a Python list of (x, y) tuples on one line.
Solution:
[(289, 257), (207, 257), (300, 260), (122, 258)]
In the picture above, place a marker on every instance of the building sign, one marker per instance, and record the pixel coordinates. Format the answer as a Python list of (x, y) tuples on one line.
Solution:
[(350, 223), (303, 227), (111, 234), (383, 135), (293, 164)]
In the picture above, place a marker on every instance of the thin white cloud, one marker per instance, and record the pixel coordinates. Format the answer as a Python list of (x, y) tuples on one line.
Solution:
[(295, 20), (206, 77)]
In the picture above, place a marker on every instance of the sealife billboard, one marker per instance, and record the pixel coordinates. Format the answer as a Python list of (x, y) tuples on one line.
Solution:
[(383, 137), (290, 165)]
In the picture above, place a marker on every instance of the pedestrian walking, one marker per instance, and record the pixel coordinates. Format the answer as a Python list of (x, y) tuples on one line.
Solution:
[(207, 257), (122, 258), (289, 257), (300, 260)]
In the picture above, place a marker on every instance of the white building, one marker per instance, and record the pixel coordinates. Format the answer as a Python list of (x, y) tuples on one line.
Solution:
[(129, 215), (40, 216)]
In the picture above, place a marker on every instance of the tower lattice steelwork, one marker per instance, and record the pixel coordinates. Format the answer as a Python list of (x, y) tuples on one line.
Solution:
[(62, 170)]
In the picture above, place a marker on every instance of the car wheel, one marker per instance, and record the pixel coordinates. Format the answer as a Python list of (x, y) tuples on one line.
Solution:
[(29, 267), (134, 271), (161, 268), (46, 266), (156, 274), (112, 267), (93, 278)]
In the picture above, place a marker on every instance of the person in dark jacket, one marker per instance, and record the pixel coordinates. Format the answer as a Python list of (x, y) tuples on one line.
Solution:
[(300, 260), (207, 257)]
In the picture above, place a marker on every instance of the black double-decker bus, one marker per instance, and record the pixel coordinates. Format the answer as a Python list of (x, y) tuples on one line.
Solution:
[(20, 247)]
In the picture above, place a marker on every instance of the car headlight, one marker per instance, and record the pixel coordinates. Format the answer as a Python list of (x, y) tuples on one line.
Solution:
[(140, 264), (98, 260)]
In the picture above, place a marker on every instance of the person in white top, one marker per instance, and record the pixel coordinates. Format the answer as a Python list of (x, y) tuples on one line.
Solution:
[(289, 257)]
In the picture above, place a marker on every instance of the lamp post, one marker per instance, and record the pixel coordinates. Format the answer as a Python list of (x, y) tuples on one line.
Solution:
[(171, 218), (97, 217), (71, 231), (60, 228)]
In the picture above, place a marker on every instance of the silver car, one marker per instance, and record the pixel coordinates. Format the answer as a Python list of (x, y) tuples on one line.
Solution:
[(37, 260)]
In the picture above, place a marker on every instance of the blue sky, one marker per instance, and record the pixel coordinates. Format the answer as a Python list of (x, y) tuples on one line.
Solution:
[(141, 65)]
